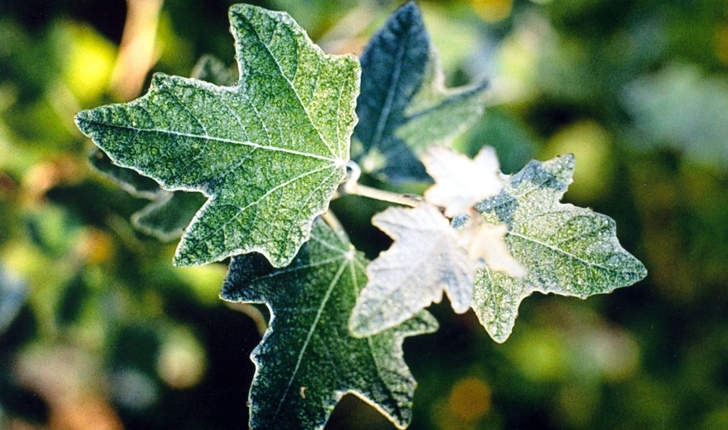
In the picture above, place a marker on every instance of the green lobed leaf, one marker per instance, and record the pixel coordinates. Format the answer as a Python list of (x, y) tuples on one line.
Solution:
[(307, 359), (565, 249), (404, 107), (269, 151), (170, 212)]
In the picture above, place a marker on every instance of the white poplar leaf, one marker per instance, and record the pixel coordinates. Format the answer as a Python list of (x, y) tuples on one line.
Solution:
[(424, 260), (460, 182), (487, 241)]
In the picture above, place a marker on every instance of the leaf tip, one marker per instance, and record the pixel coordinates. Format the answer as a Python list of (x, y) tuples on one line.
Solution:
[(500, 337), (640, 272), (410, 7), (565, 165), (83, 120)]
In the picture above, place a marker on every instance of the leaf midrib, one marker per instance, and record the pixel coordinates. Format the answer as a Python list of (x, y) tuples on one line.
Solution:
[(565, 253), (290, 84), (309, 335), (217, 139), (384, 115)]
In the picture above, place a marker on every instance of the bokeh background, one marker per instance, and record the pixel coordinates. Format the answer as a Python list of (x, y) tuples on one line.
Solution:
[(99, 331)]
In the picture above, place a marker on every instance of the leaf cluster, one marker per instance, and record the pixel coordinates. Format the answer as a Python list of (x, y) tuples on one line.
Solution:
[(245, 167)]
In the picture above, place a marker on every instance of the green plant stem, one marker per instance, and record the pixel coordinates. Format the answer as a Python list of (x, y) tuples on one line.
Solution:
[(352, 186)]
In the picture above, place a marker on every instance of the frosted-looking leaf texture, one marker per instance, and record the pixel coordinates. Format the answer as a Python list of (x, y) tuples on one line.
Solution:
[(424, 260), (487, 241), (307, 359), (404, 107), (566, 250), (170, 212), (460, 182), (269, 152)]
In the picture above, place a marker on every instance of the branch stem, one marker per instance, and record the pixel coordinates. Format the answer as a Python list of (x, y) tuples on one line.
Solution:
[(352, 186)]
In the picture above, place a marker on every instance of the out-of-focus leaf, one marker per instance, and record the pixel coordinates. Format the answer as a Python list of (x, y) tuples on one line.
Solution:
[(127, 179), (565, 249), (168, 217), (12, 296), (211, 69), (511, 139), (460, 182), (403, 107), (307, 359), (681, 108), (269, 152)]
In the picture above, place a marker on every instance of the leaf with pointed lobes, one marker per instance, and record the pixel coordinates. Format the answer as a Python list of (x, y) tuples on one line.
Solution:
[(308, 359), (404, 107), (424, 261), (269, 152), (170, 213), (460, 182), (566, 250)]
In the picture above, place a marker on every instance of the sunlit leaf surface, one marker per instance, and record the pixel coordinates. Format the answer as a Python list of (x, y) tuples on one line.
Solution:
[(269, 152), (566, 250), (307, 359)]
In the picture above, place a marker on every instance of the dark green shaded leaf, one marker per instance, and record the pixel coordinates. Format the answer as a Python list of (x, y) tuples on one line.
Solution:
[(168, 216), (269, 152), (127, 179), (565, 249), (307, 359), (403, 107)]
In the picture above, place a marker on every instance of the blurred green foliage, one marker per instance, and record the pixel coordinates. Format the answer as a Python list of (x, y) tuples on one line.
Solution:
[(98, 330)]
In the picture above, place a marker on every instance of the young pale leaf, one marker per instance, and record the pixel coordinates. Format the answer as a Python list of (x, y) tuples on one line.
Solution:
[(487, 241), (403, 107), (425, 260), (460, 182), (565, 249), (269, 152), (307, 359)]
